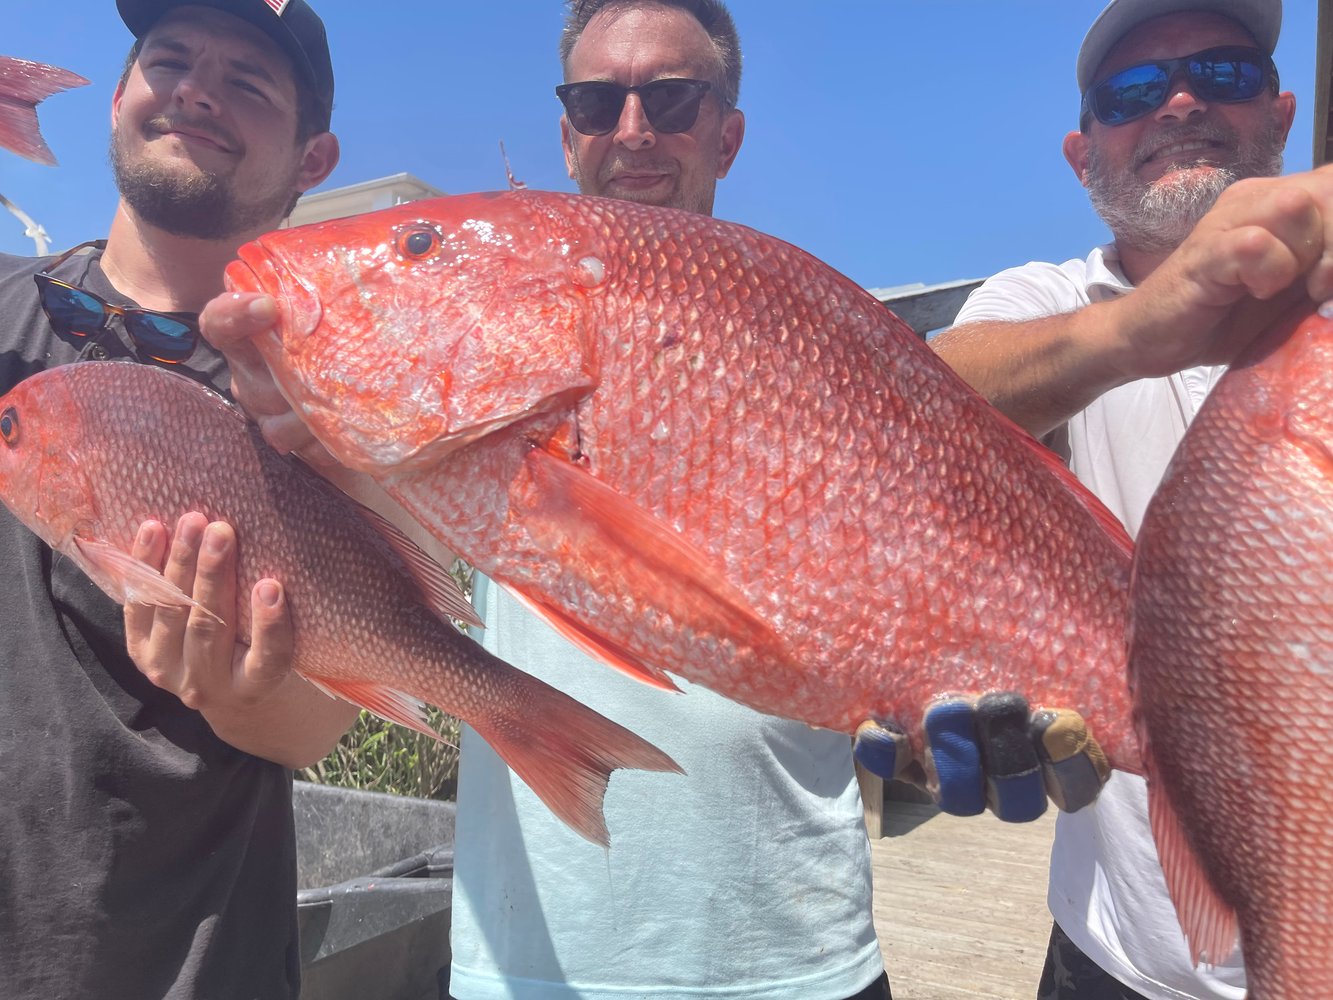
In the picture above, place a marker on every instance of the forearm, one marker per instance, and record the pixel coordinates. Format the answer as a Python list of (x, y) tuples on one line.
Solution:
[(295, 725), (1039, 372)]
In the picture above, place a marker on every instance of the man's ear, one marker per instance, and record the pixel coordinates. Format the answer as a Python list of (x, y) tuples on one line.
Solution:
[(320, 157), (1286, 105), (1076, 155), (115, 102), (567, 144), (733, 132)]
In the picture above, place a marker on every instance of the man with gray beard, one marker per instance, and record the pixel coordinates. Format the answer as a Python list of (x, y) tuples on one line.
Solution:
[(1180, 142)]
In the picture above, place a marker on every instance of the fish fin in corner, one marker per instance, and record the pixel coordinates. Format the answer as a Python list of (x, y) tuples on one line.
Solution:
[(1209, 924), (565, 752), (125, 579), (607, 536), (23, 85)]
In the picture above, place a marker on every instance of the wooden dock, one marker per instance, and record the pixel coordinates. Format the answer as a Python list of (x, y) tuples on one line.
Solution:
[(960, 903)]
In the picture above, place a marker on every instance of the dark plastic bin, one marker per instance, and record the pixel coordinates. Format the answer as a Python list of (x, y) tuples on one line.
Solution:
[(376, 878)]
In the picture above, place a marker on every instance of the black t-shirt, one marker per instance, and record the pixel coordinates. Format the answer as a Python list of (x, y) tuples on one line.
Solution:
[(140, 856)]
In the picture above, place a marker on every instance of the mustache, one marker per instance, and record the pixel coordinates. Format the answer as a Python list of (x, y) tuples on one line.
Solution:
[(164, 124), (622, 164), (1211, 132)]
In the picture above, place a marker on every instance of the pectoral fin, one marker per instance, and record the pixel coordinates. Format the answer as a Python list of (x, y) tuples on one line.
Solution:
[(125, 579), (606, 537), (1209, 924)]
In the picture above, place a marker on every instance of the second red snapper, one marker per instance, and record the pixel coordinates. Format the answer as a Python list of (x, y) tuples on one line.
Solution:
[(694, 448), (1232, 664), (89, 451)]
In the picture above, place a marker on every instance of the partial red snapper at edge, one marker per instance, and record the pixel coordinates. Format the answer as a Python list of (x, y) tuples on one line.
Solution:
[(1231, 664)]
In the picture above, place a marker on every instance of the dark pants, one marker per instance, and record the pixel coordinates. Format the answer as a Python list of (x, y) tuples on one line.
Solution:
[(878, 990), (1071, 975)]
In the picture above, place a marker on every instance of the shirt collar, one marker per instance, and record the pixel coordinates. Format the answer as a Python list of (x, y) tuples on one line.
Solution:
[(1104, 278)]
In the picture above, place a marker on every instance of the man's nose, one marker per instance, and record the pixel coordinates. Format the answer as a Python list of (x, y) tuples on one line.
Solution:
[(634, 131), (1181, 100), (196, 90)]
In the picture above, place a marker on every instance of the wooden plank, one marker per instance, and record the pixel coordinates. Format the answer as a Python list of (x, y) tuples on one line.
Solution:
[(960, 903)]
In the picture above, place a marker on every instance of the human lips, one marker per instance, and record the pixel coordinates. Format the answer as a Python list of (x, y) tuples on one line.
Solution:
[(1178, 149), (1193, 146), (206, 135), (638, 179)]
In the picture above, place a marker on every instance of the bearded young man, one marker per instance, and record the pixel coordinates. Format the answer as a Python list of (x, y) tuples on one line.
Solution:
[(147, 846), (1181, 137)]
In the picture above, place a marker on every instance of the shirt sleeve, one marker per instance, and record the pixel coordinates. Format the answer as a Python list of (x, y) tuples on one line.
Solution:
[(1031, 291)]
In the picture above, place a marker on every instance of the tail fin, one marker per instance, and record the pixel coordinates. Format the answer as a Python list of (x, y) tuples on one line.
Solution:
[(23, 85), (565, 752)]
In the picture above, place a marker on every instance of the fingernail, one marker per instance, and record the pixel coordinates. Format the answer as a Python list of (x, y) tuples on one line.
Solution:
[(189, 532), (264, 308), (215, 541), (269, 593)]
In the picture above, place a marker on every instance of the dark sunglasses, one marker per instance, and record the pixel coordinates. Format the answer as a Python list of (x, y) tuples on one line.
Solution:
[(593, 107), (1229, 75), (165, 337)]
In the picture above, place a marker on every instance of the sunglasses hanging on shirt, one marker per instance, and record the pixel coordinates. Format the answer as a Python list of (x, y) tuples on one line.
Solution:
[(166, 337)]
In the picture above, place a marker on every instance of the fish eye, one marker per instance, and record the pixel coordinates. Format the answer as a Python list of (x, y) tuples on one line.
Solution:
[(418, 242), (9, 426)]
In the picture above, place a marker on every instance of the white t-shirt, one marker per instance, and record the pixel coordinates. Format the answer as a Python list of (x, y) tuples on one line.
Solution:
[(748, 876), (1107, 891)]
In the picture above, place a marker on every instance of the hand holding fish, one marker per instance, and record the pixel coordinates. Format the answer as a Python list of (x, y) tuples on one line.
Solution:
[(248, 694), (992, 752), (1266, 243), (229, 323)]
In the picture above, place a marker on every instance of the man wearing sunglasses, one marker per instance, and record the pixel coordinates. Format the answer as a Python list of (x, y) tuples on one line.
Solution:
[(148, 846), (1113, 355), (752, 877)]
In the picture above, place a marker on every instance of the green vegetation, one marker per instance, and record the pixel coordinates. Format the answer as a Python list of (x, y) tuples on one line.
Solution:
[(380, 756)]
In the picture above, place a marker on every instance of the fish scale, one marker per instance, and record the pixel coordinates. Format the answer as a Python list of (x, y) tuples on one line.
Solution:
[(83, 462), (694, 448), (1232, 664)]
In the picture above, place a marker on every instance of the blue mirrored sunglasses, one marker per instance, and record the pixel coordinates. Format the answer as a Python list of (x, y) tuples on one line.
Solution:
[(1228, 75), (165, 337)]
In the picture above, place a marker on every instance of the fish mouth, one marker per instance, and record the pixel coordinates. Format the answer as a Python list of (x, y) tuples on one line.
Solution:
[(259, 270)]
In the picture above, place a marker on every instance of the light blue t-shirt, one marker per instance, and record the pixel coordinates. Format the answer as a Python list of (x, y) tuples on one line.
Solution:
[(747, 878)]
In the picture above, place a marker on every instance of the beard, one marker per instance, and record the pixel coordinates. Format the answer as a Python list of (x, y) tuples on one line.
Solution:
[(198, 203), (1156, 217)]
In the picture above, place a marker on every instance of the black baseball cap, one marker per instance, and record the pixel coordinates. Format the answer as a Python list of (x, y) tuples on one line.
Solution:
[(293, 26)]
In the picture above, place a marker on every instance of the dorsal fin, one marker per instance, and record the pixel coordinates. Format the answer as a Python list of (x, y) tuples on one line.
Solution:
[(438, 589)]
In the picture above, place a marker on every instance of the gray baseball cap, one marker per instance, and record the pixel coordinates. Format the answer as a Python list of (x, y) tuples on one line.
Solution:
[(1261, 18)]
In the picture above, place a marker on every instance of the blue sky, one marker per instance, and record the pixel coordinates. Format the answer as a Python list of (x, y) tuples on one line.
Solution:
[(898, 140)]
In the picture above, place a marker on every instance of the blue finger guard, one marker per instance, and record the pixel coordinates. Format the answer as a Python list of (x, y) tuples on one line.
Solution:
[(876, 748), (951, 733)]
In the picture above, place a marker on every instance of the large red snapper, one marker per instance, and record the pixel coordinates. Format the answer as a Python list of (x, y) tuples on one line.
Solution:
[(89, 451), (1231, 664), (695, 448)]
